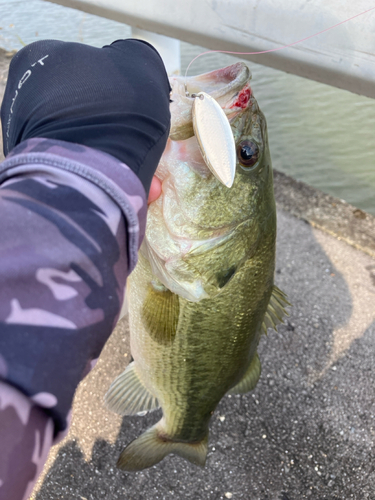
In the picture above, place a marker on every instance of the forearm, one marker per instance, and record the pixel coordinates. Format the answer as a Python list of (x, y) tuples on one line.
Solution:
[(72, 222)]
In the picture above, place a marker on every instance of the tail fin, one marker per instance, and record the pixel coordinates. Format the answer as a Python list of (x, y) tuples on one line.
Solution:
[(151, 447)]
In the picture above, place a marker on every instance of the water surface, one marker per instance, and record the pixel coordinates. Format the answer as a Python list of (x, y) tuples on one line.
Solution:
[(318, 134)]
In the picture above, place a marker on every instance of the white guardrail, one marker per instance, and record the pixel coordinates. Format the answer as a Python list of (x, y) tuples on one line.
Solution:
[(343, 57)]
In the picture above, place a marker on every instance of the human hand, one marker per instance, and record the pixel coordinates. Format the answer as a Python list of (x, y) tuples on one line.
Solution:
[(115, 99), (155, 190)]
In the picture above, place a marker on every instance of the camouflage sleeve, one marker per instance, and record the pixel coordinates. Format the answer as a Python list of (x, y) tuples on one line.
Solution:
[(72, 220), (26, 435)]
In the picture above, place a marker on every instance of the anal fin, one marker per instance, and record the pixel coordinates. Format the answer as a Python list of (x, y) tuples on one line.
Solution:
[(250, 379), (128, 396)]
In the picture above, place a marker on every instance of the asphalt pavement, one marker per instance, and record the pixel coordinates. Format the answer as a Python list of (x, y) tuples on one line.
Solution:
[(306, 431)]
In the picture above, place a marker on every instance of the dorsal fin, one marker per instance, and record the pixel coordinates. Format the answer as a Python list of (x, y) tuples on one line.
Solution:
[(275, 310)]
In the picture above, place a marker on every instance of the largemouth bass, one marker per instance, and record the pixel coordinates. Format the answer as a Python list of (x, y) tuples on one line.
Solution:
[(203, 290)]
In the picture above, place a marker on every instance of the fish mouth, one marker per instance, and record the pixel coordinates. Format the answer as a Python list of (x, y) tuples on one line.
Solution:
[(202, 106), (228, 86), (221, 84)]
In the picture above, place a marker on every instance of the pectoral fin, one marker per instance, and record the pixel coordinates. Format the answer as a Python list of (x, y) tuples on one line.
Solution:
[(276, 310), (250, 379), (128, 396), (160, 313)]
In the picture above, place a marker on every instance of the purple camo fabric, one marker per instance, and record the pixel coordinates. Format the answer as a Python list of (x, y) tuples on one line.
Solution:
[(72, 221), (26, 435)]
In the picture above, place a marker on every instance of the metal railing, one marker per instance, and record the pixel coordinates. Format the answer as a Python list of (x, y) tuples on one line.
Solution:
[(343, 57)]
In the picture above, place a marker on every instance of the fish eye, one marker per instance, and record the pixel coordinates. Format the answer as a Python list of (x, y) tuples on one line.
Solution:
[(248, 153)]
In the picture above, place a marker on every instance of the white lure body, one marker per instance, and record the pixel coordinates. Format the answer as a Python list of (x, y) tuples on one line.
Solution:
[(215, 138)]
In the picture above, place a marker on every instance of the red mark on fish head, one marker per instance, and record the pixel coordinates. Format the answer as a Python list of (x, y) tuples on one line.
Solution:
[(242, 98)]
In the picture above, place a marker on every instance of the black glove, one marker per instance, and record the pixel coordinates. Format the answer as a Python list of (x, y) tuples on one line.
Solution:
[(115, 99)]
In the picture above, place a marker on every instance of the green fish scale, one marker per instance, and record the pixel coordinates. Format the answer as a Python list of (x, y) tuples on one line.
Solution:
[(216, 338), (214, 343)]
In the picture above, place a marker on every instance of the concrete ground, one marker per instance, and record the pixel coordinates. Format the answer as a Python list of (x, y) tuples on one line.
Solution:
[(306, 431)]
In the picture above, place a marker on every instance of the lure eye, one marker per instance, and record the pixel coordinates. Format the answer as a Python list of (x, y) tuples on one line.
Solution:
[(248, 153)]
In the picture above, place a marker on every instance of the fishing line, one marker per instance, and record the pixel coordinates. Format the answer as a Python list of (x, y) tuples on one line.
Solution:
[(271, 50)]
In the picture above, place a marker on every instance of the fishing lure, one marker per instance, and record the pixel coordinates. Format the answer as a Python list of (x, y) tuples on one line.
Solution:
[(215, 138)]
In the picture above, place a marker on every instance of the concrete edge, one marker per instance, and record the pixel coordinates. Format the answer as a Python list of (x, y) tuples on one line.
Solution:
[(332, 215), (7, 54)]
